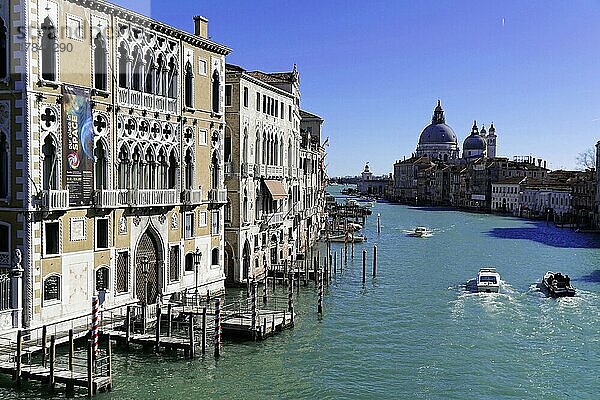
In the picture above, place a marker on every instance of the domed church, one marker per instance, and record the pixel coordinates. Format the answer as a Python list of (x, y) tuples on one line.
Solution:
[(438, 140)]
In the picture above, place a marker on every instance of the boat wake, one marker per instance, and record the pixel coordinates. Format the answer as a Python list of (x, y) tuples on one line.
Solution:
[(503, 301)]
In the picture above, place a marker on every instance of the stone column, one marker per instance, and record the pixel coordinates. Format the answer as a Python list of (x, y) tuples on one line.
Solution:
[(16, 290)]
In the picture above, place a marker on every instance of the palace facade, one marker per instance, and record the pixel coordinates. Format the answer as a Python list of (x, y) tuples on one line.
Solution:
[(112, 133)]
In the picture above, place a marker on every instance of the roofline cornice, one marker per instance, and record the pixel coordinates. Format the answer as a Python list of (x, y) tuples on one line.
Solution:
[(132, 16), (256, 81)]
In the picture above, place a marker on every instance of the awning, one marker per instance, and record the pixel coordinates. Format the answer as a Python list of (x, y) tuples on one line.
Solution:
[(276, 189)]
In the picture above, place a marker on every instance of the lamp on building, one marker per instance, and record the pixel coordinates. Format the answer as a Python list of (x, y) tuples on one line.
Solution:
[(197, 259), (145, 271)]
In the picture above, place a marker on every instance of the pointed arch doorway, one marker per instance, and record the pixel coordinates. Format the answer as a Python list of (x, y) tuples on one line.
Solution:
[(147, 277)]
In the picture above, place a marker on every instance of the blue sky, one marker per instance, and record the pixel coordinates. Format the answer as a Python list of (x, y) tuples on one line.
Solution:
[(374, 70)]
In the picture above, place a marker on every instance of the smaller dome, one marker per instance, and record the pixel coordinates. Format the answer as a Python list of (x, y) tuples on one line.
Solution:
[(474, 142)]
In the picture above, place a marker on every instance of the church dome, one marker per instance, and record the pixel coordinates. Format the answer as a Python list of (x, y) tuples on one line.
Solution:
[(474, 142), (438, 132)]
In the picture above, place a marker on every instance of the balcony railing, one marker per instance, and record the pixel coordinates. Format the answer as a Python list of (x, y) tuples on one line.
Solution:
[(274, 171), (55, 199), (217, 196), (153, 197), (135, 98), (273, 218), (111, 198), (260, 171), (192, 196)]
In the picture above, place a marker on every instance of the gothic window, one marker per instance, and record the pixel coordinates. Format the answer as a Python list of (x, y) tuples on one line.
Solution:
[(150, 82), (163, 170), (281, 152), (3, 165), (215, 256), (173, 77), (123, 66), (216, 92), (189, 85), (101, 166), (245, 96), (136, 172), (102, 279), (189, 170), (50, 164), (276, 151), (289, 154), (160, 67), (52, 288), (227, 147), (100, 64), (150, 170), (172, 174), (137, 69), (3, 50), (228, 211), (124, 168), (264, 148), (215, 171), (48, 50)]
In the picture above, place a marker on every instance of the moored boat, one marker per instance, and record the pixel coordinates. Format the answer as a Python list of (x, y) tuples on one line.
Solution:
[(557, 284), (488, 280), (347, 238)]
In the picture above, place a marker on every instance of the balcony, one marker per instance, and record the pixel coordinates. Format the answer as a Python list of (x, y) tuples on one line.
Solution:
[(135, 98), (273, 218), (274, 171), (260, 171), (55, 199), (217, 196), (192, 196), (111, 198), (153, 197)]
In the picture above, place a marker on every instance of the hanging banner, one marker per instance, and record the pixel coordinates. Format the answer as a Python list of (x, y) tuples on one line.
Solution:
[(78, 145)]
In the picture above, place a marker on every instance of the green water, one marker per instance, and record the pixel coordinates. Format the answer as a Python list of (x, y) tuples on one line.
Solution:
[(415, 332)]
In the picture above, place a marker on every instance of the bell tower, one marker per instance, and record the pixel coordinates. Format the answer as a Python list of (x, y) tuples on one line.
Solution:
[(491, 142)]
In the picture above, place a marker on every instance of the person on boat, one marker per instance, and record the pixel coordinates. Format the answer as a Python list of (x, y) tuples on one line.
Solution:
[(567, 281)]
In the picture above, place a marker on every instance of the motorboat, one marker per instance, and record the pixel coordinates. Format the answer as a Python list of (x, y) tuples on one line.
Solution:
[(488, 280), (420, 231), (353, 226), (557, 284)]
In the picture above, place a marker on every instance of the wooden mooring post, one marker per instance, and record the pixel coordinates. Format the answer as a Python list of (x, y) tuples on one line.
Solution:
[(19, 358), (44, 345), (71, 349), (191, 335), (345, 253), (254, 309), (128, 326), (158, 320), (52, 360), (90, 369), (265, 289), (374, 261), (204, 330), (169, 319), (218, 327), (378, 223), (335, 263), (320, 298), (364, 266)]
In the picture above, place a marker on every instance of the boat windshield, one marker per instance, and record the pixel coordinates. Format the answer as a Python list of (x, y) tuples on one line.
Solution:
[(487, 279)]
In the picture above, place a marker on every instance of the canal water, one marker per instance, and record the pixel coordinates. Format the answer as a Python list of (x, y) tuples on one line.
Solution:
[(414, 332)]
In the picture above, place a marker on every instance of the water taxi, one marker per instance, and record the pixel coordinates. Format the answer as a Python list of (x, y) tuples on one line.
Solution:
[(557, 284), (420, 231), (488, 280)]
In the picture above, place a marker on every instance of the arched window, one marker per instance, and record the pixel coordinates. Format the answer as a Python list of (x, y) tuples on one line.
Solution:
[(189, 170), (245, 207), (163, 170), (101, 171), (264, 148), (281, 152), (150, 170), (257, 204), (138, 70), (290, 157), (275, 150), (172, 183), (215, 171), (3, 165), (150, 82), (215, 256), (123, 66), (52, 288), (216, 92), (245, 147), (3, 50), (228, 211), (189, 85), (102, 279), (257, 149), (160, 68), (48, 50), (173, 77), (50, 174), (136, 170), (227, 146), (100, 65), (124, 170)]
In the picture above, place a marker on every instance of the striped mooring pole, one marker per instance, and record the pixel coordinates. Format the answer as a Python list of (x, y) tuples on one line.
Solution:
[(94, 336), (218, 327)]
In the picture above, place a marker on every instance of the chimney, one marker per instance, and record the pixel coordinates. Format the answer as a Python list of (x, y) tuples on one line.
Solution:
[(544, 164), (201, 26)]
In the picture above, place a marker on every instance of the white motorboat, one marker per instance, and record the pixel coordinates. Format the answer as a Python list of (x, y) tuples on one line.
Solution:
[(420, 231), (488, 280)]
